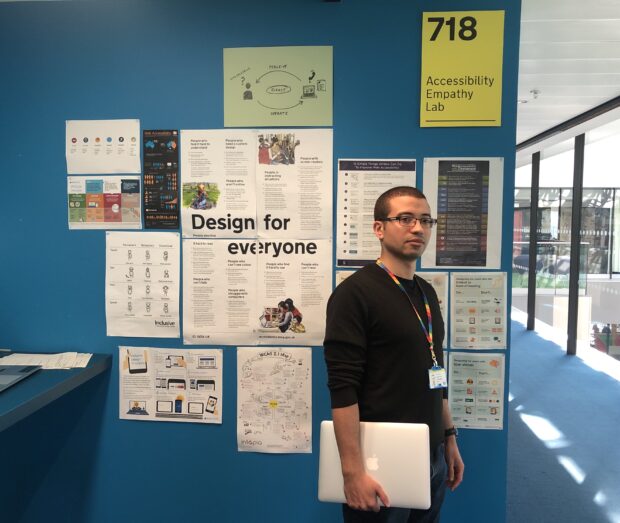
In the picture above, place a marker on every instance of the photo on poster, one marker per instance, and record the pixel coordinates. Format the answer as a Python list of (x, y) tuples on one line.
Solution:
[(465, 195)]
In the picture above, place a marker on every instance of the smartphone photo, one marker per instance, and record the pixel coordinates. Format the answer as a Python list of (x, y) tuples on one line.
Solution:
[(137, 362), (211, 403)]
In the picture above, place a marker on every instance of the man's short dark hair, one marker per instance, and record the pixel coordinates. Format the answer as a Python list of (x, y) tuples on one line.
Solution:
[(382, 205)]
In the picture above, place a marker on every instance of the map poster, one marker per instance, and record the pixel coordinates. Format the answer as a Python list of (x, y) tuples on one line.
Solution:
[(274, 399)]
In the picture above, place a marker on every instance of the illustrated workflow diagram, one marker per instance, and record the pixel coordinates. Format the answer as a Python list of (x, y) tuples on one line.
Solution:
[(278, 86)]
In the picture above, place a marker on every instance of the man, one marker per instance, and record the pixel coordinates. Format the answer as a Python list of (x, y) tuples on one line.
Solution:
[(385, 361)]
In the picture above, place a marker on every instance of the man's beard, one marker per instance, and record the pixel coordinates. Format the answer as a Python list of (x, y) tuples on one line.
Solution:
[(405, 256)]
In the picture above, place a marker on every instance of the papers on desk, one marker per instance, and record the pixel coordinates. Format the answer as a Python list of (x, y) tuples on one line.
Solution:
[(64, 360)]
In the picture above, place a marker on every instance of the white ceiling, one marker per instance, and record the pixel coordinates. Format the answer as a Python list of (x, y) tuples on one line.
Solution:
[(570, 54)]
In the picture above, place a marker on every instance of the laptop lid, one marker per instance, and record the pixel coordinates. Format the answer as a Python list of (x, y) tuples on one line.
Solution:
[(11, 374), (397, 455)]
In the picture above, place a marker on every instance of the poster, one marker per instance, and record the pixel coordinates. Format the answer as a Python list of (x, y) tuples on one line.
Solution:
[(255, 291), (478, 317), (161, 188), (461, 80), (464, 193), (476, 390), (360, 183), (439, 281), (248, 183), (343, 275), (102, 146), (142, 284), (170, 384), (274, 399), (278, 86), (103, 202)]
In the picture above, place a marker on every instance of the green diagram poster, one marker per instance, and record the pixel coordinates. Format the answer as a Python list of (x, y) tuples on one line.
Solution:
[(278, 86)]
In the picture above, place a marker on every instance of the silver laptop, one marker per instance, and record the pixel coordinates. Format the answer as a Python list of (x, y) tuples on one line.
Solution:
[(397, 455), (11, 374)]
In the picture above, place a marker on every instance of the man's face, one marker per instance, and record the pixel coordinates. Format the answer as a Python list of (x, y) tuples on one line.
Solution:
[(406, 243)]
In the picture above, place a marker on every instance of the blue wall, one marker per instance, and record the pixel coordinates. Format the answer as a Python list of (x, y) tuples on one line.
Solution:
[(161, 61)]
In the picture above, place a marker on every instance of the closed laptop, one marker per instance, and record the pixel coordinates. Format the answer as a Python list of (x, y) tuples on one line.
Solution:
[(397, 455)]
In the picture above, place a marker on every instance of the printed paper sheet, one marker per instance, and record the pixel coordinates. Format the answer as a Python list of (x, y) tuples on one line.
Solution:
[(170, 384), (142, 284), (251, 183), (274, 399), (102, 146), (108, 202), (478, 310), (360, 183), (465, 194), (476, 390), (278, 86), (256, 291)]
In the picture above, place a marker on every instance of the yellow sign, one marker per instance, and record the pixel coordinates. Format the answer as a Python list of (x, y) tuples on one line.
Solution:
[(462, 55)]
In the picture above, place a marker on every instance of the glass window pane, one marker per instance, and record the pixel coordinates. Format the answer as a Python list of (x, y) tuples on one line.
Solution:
[(600, 233)]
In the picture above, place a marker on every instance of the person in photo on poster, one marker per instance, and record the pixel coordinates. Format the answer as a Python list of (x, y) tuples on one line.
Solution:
[(384, 357)]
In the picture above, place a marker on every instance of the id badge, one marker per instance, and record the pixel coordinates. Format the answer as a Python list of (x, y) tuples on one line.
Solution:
[(437, 377)]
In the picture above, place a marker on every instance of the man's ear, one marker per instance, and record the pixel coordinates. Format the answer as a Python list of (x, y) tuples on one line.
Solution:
[(377, 227)]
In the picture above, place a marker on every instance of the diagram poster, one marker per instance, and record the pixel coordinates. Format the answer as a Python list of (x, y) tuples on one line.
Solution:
[(476, 390), (161, 189), (278, 86), (170, 384), (274, 399), (464, 193), (102, 146), (478, 318), (439, 281), (261, 292), (360, 183), (142, 284)]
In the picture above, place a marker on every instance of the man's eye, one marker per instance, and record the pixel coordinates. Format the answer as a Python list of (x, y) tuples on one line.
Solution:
[(426, 221)]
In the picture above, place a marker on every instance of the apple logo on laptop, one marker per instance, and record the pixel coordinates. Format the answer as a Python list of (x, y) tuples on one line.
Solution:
[(372, 463)]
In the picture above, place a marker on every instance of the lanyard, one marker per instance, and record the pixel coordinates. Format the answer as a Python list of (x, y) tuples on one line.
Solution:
[(427, 332)]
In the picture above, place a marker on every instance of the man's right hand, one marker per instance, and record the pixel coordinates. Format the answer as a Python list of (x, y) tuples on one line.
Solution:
[(363, 492)]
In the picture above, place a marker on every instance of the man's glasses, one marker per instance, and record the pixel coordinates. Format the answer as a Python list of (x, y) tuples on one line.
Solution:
[(406, 220)]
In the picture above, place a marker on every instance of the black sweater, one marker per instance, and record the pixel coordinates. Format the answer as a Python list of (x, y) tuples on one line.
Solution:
[(377, 354)]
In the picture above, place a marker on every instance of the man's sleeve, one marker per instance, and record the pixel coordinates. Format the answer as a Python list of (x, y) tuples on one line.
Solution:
[(345, 344)]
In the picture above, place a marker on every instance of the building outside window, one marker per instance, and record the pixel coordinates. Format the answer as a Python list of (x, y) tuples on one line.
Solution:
[(599, 283)]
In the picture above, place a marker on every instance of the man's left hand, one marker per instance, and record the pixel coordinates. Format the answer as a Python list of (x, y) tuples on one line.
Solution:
[(456, 467)]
